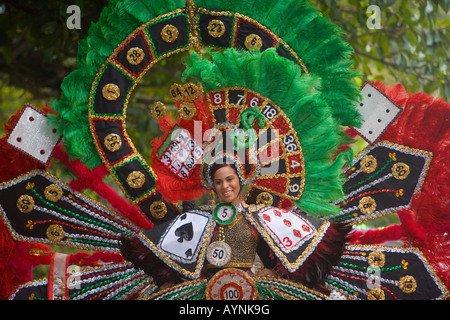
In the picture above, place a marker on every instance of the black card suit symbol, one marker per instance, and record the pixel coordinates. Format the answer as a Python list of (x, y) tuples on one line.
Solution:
[(185, 232), (188, 253)]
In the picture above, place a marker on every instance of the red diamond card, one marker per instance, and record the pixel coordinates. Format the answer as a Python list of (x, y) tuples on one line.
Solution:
[(286, 228)]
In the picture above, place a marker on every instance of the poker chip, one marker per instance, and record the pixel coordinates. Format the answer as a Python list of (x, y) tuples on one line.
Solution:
[(231, 284)]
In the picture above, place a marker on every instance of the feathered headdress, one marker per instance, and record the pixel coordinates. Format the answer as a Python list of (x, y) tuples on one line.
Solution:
[(131, 37)]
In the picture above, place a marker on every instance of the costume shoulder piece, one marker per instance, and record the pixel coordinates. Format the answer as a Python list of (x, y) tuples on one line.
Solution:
[(383, 178), (292, 237), (385, 273), (39, 208), (181, 243)]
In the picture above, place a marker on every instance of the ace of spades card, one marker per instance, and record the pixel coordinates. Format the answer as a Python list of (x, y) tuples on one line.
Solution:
[(183, 239)]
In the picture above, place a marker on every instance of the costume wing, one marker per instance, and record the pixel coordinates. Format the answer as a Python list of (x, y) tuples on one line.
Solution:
[(37, 207), (109, 282), (385, 273)]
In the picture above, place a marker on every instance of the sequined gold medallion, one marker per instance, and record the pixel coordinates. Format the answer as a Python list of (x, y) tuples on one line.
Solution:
[(367, 205), (216, 28), (53, 192), (253, 42), (112, 142), (111, 92), (25, 203), (187, 110), (158, 110), (55, 232), (135, 55), (368, 164), (136, 179), (158, 209), (169, 33), (400, 170)]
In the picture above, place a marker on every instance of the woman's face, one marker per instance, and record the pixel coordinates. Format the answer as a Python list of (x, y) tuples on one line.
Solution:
[(226, 184)]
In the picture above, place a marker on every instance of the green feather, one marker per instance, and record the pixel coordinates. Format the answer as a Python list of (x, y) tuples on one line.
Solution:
[(317, 103), (300, 97), (316, 41), (116, 22)]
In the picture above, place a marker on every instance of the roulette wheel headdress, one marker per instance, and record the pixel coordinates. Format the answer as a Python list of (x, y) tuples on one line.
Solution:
[(131, 37)]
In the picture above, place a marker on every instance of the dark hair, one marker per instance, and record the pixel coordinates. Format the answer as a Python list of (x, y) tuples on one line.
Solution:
[(216, 166)]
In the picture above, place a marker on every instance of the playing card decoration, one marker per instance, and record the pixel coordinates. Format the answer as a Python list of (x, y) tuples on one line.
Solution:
[(181, 243), (33, 136), (180, 153), (383, 178), (378, 112), (292, 237)]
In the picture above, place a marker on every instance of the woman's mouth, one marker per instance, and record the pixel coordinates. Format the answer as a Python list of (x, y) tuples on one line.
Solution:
[(227, 193)]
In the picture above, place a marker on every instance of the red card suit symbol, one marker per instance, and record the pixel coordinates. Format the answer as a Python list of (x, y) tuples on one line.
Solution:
[(277, 213), (306, 228), (266, 217), (287, 222), (297, 233)]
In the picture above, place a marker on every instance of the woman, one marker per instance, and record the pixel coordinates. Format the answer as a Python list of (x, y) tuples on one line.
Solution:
[(228, 188), (245, 236)]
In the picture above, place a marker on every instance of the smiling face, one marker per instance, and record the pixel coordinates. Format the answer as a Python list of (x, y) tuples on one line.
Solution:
[(226, 184)]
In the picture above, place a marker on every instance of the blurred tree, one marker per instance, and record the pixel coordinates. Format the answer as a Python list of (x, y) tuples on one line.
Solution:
[(37, 49), (408, 45)]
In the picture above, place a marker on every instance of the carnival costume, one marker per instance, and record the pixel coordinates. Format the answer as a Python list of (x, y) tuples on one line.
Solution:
[(267, 86)]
